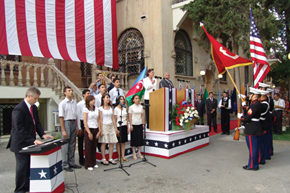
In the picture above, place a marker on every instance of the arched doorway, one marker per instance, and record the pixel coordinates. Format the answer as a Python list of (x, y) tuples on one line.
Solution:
[(131, 51)]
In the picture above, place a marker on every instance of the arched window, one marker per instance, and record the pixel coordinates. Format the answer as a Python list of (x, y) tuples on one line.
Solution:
[(131, 51), (183, 50)]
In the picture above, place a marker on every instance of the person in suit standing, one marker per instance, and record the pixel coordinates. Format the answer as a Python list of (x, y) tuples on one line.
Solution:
[(279, 106), (165, 82), (225, 106), (25, 124), (211, 105), (200, 107)]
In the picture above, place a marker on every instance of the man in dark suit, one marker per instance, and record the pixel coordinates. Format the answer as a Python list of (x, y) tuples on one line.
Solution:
[(211, 105), (165, 82), (25, 124), (200, 107)]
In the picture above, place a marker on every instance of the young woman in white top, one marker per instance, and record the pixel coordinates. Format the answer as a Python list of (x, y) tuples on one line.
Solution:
[(136, 118), (91, 119), (150, 85), (108, 129), (120, 115)]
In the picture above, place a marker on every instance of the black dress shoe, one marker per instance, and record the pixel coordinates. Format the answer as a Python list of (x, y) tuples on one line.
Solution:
[(216, 131), (247, 168), (76, 166), (262, 163), (67, 169), (228, 133), (223, 133), (268, 158), (82, 163)]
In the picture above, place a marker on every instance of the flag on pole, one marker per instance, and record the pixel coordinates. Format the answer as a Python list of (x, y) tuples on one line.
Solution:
[(219, 98), (258, 55), (76, 30), (205, 95), (137, 87), (223, 58)]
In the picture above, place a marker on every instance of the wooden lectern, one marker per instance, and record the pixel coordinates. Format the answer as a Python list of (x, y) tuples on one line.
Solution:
[(160, 102)]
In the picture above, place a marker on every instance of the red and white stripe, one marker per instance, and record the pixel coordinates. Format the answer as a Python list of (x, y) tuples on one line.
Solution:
[(77, 30), (260, 61)]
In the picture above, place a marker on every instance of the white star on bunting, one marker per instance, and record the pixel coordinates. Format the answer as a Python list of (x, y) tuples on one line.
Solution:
[(179, 142), (165, 145), (190, 139), (147, 142), (55, 170), (173, 144), (42, 174), (185, 141), (156, 144)]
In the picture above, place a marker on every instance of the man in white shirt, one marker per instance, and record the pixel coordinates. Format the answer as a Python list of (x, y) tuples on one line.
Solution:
[(81, 105), (67, 112), (225, 106), (94, 85), (98, 97), (279, 106), (116, 91)]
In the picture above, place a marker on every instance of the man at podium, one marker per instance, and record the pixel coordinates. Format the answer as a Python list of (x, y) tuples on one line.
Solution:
[(25, 124)]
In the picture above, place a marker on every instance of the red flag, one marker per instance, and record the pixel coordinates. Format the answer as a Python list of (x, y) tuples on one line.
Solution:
[(223, 58), (258, 55)]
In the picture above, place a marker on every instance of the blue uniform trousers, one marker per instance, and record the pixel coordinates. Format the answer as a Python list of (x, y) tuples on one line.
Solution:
[(271, 140), (262, 147), (253, 145)]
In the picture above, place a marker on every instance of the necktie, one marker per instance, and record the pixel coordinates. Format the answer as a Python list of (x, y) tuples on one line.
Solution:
[(31, 112), (118, 92), (199, 101)]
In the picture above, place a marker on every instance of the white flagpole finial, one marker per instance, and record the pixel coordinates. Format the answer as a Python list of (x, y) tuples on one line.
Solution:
[(201, 24)]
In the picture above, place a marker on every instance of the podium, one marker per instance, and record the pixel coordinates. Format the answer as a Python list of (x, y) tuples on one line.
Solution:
[(161, 140), (161, 101), (46, 174)]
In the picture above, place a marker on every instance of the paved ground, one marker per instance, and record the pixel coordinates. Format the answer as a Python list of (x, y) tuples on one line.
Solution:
[(214, 168)]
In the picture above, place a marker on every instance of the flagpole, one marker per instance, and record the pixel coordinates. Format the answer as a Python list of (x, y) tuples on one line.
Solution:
[(233, 81)]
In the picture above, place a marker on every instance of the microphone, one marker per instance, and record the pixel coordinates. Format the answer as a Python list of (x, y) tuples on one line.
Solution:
[(158, 77), (143, 104), (121, 104)]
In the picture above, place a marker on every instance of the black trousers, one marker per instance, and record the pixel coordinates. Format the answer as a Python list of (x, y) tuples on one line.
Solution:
[(81, 145), (22, 172), (212, 118), (225, 121), (278, 125), (147, 112)]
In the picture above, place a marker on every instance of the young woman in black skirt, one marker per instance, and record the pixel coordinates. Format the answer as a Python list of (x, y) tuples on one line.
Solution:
[(136, 118), (120, 114)]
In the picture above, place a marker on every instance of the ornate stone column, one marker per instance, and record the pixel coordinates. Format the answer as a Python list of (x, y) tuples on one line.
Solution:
[(3, 81), (20, 75), (11, 77)]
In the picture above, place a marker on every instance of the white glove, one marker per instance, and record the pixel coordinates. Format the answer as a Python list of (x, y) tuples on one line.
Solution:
[(240, 115), (244, 103), (242, 96), (242, 127)]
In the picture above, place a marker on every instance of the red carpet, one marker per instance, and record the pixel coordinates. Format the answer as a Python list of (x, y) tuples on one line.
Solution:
[(233, 125)]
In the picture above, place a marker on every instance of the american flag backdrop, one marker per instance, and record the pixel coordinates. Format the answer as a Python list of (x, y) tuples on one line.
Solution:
[(77, 30), (258, 55)]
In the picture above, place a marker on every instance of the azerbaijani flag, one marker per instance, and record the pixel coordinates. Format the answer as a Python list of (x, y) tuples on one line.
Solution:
[(137, 87)]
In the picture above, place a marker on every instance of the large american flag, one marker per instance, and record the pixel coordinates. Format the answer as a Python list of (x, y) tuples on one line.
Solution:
[(258, 55), (77, 30)]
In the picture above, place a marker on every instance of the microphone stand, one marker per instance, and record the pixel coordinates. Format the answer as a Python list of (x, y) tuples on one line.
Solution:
[(144, 158), (121, 165)]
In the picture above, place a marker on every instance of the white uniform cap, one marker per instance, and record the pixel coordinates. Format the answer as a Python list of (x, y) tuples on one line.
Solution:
[(254, 90), (263, 85), (269, 90), (263, 92)]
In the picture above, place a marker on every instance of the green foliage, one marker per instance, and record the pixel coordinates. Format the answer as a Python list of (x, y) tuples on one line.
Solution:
[(230, 21), (280, 72)]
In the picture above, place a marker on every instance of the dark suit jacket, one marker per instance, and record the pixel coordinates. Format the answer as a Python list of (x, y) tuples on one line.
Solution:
[(210, 106), (23, 131), (200, 107), (164, 83), (111, 86)]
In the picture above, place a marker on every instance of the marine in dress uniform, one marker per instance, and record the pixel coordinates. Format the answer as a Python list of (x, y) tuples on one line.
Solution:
[(253, 129), (264, 119), (271, 121)]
